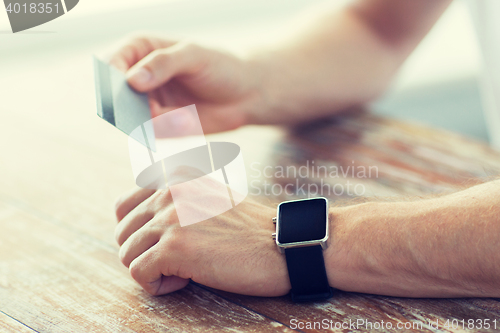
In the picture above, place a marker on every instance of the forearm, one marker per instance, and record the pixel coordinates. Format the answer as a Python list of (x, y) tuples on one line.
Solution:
[(440, 247), (344, 58)]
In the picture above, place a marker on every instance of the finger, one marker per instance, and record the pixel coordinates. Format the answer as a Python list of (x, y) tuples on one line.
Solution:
[(134, 49), (127, 202), (154, 97), (169, 284), (174, 93), (132, 222), (218, 118), (171, 122), (130, 52), (154, 105), (161, 65), (146, 270), (213, 119), (138, 243)]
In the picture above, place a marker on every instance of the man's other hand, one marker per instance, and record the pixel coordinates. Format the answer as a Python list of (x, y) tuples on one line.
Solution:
[(226, 89), (233, 251)]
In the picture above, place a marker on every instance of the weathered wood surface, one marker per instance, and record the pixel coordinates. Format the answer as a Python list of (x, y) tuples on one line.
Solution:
[(411, 161), (9, 324), (62, 167)]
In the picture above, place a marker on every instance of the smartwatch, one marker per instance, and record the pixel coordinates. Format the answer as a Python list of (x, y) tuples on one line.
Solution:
[(302, 234)]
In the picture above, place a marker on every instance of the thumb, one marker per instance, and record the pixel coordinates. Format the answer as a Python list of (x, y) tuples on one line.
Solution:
[(169, 284), (159, 66)]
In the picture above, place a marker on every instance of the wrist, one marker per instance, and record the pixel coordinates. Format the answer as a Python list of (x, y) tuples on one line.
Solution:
[(370, 251), (335, 257), (277, 90), (344, 258), (301, 235)]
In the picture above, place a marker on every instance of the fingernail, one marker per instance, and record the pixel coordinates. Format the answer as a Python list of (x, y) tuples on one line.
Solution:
[(140, 75)]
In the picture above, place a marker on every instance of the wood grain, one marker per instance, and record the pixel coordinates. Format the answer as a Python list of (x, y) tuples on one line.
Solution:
[(64, 281), (62, 167), (412, 161), (9, 324)]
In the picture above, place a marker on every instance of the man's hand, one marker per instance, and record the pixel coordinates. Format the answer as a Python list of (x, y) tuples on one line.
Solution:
[(233, 251), (226, 89), (346, 58)]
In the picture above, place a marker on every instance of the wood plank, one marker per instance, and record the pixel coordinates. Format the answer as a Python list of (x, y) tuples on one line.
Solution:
[(51, 158), (58, 280), (9, 324), (60, 160), (408, 160), (63, 167), (411, 160), (346, 308)]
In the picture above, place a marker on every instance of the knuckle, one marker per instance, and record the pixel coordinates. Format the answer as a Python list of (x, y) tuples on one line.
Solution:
[(160, 56), (122, 254), (119, 208), (135, 270), (169, 246), (183, 205), (155, 228), (167, 221), (149, 289), (189, 46), (177, 233), (174, 239), (161, 198), (180, 190), (138, 37), (118, 236)]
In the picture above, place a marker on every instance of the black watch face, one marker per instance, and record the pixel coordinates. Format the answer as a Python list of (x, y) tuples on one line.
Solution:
[(301, 221)]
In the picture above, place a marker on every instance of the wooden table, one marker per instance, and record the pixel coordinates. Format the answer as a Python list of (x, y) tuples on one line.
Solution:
[(62, 168)]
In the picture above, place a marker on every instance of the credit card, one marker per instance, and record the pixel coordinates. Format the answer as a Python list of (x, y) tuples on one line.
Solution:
[(122, 106)]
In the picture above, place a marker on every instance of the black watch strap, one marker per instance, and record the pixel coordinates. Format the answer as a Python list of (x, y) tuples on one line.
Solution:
[(306, 269)]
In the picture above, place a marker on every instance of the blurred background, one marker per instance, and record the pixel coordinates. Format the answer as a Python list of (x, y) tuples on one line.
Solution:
[(437, 85)]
